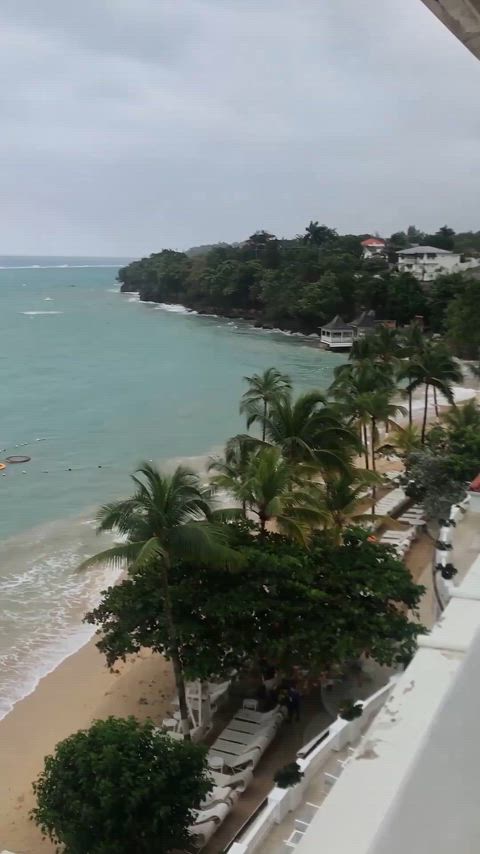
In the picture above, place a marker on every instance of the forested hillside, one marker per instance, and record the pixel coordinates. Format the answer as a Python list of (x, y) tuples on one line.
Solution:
[(296, 284)]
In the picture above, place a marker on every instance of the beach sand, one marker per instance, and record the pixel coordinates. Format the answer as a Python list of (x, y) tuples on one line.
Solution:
[(80, 690)]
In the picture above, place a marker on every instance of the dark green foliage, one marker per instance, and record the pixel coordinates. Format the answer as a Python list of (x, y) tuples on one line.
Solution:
[(435, 481), (120, 786), (301, 283), (350, 710), (288, 776), (317, 607), (462, 324)]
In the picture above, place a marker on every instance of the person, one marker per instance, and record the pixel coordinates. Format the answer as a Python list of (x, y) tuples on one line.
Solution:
[(293, 703)]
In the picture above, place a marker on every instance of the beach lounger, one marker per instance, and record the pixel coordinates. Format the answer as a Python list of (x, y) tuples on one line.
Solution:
[(202, 833), (238, 782), (260, 717), (233, 747), (220, 795), (217, 814), (245, 761)]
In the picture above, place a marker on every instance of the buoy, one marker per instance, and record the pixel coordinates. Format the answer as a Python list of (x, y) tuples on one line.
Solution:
[(2, 466), (18, 458)]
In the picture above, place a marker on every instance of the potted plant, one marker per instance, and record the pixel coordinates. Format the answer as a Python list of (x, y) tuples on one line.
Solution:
[(350, 710), (448, 571), (288, 776)]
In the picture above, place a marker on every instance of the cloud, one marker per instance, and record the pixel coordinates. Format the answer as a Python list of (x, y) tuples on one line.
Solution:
[(129, 125)]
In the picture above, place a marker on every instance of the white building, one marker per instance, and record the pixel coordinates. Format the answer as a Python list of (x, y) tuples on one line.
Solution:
[(428, 262), (337, 335), (373, 247)]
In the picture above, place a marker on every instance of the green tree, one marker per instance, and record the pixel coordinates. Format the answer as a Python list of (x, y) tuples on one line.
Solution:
[(433, 480), (463, 417), (346, 502), (166, 519), (406, 298), (442, 291), (319, 234), (307, 430), (263, 390), (412, 346), (311, 608), (115, 787), (444, 238), (434, 368), (463, 329), (230, 472)]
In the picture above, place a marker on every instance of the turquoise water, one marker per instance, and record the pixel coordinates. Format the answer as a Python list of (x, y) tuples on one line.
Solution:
[(93, 382)]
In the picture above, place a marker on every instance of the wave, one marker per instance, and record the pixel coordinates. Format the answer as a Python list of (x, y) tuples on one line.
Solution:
[(34, 313), (60, 266), (43, 602), (134, 298), (48, 299), (174, 308)]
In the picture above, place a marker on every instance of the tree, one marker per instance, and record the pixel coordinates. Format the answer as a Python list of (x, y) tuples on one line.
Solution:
[(345, 501), (433, 480), (311, 608), (319, 234), (405, 298), (442, 291), (402, 440), (120, 786), (231, 471), (463, 417), (412, 346), (264, 389), (167, 518), (308, 430), (444, 238), (278, 490), (463, 329), (435, 368)]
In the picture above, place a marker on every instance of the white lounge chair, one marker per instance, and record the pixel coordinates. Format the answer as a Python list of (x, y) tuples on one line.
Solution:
[(235, 763), (239, 782), (202, 833), (220, 795)]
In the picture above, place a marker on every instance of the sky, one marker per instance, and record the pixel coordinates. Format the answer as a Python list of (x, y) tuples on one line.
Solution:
[(133, 125)]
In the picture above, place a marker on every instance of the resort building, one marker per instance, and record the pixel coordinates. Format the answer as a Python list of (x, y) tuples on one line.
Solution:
[(337, 335), (428, 262), (364, 323), (462, 17), (373, 247)]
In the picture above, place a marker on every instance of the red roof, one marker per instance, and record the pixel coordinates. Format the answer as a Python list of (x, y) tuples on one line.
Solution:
[(373, 241)]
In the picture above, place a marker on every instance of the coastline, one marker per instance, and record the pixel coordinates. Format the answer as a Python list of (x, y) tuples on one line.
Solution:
[(80, 690)]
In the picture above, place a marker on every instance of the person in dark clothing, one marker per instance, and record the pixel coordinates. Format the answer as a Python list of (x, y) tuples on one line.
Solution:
[(293, 703)]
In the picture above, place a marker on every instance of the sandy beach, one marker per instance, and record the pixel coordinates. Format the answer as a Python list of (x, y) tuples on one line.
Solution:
[(80, 690)]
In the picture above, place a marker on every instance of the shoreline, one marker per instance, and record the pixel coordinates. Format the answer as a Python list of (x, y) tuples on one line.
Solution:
[(78, 691)]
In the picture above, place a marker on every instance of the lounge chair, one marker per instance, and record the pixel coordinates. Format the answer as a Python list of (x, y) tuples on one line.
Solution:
[(217, 813), (202, 833), (239, 781), (235, 763), (220, 795)]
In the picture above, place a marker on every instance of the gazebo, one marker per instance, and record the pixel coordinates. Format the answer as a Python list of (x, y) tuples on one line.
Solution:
[(337, 335), (364, 323)]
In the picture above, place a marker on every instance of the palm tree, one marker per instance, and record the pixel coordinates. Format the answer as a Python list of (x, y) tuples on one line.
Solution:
[(263, 390), (386, 344), (463, 417), (403, 440), (280, 491), (352, 388), (435, 368), (231, 471), (345, 501), (307, 430), (380, 408), (413, 345), (166, 519)]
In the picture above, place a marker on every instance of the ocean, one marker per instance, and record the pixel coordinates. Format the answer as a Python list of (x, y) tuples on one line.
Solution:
[(92, 383)]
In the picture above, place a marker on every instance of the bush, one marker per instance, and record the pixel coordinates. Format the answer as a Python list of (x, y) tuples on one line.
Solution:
[(288, 776), (120, 786), (350, 710)]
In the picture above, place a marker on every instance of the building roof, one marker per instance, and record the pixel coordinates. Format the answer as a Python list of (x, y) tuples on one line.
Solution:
[(337, 323), (373, 241), (421, 250), (365, 320)]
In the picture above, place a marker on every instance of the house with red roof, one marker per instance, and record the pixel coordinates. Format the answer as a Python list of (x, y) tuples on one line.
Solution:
[(373, 247)]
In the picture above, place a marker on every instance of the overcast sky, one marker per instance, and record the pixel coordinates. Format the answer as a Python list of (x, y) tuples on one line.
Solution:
[(131, 125)]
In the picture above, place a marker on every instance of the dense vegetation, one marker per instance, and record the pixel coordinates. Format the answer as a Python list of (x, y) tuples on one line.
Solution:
[(120, 786), (300, 283)]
